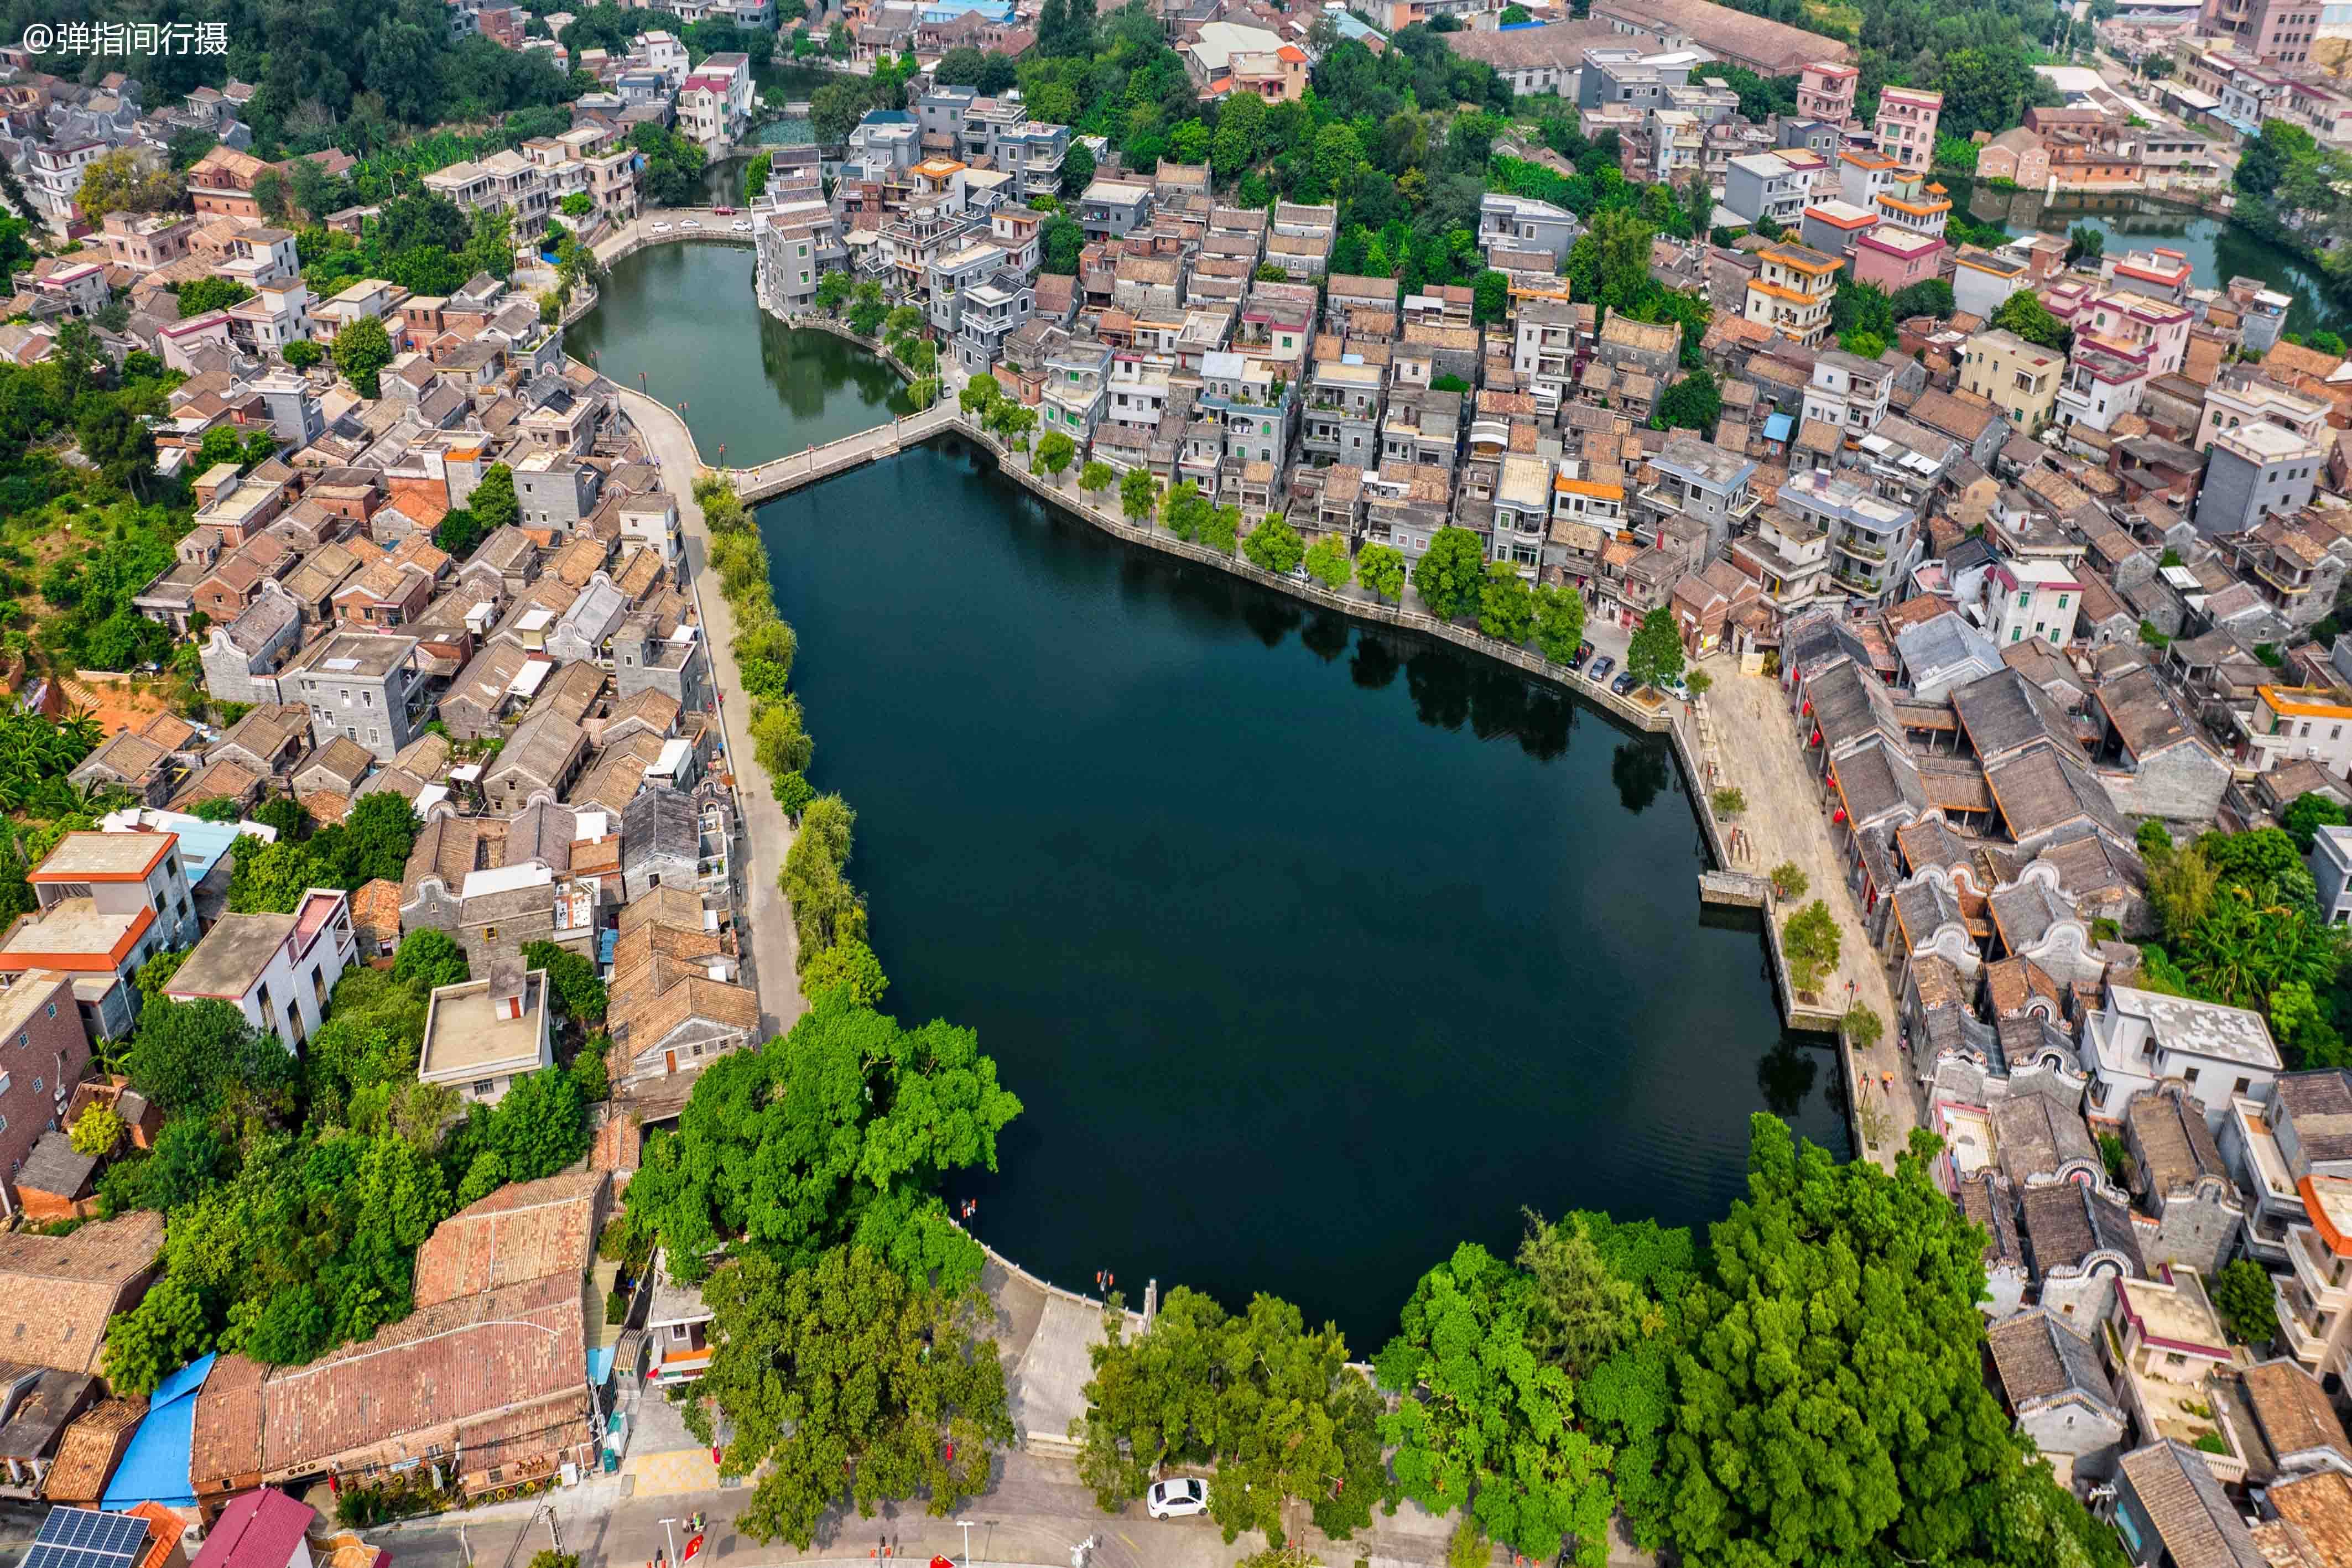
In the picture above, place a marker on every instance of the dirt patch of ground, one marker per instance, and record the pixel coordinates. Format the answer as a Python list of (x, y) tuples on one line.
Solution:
[(118, 704)]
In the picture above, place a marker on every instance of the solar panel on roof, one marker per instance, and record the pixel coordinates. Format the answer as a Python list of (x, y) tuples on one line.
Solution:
[(87, 1538)]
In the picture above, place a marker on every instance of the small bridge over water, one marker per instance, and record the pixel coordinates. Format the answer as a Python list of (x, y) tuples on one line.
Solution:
[(780, 475)]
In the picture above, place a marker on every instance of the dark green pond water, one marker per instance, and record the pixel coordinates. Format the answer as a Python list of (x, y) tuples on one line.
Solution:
[(1312, 952), (2218, 249), (682, 317)]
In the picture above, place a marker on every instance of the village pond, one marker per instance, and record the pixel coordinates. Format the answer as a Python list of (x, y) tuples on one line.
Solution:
[(682, 316), (2217, 249), (1312, 950)]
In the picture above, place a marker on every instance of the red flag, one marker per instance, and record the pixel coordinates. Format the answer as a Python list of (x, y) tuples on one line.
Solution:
[(693, 1545)]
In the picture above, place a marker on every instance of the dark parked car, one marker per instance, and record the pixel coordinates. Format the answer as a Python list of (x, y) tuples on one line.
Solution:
[(1624, 684), (1583, 652), (1598, 671)]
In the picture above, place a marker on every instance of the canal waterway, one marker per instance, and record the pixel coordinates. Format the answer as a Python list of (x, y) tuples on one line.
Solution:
[(1312, 950), (2218, 249), (683, 316)]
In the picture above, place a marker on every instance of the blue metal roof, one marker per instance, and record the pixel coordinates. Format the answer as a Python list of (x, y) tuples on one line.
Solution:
[(1778, 427), (154, 1467), (202, 844)]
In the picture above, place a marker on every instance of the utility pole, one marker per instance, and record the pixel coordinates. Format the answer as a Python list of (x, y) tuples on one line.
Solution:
[(966, 1525), (672, 1539)]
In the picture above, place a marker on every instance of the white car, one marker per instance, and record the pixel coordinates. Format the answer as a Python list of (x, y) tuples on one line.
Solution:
[(688, 224), (1180, 1498), (742, 225), (661, 228)]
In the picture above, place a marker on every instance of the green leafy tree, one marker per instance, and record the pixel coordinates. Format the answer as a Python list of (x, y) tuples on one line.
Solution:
[(459, 532), (1579, 1309), (1274, 545), (1380, 568), (1484, 1425), (832, 289), (842, 1379), (303, 353), (1096, 477), (1656, 653), (361, 351), (203, 294), (1220, 527), (1558, 620), (2243, 1296), (1694, 403), (2310, 813), (1930, 296), (2025, 314), (1507, 604), (164, 1333), (1138, 494), (837, 1132), (195, 1056), (980, 394), (1811, 941), (377, 834), (1327, 562), (1056, 451), (579, 994), (1273, 1406), (427, 959), (96, 1132), (848, 966), (494, 502), (1450, 575), (1830, 1403), (1183, 509)]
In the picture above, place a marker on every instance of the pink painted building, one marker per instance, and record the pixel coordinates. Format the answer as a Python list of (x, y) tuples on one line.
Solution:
[(1825, 91), (2275, 32), (2130, 325), (1893, 259), (1906, 126)]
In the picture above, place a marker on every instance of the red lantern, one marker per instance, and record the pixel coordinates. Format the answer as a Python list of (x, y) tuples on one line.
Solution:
[(1838, 815), (1809, 707)]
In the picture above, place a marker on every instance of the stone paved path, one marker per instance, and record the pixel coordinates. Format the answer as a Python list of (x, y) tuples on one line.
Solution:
[(1786, 821)]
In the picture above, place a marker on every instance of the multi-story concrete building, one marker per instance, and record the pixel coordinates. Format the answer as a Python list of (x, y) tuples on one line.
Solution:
[(365, 686), (2019, 378), (714, 102), (1825, 91), (797, 245), (276, 970), (2235, 399), (2141, 1039), (1700, 481), (2036, 599), (43, 1051), (2272, 32), (1982, 281), (2255, 470), (1874, 543), (1519, 223), (1111, 209), (1793, 291), (2290, 1149), (1760, 185), (1906, 126)]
